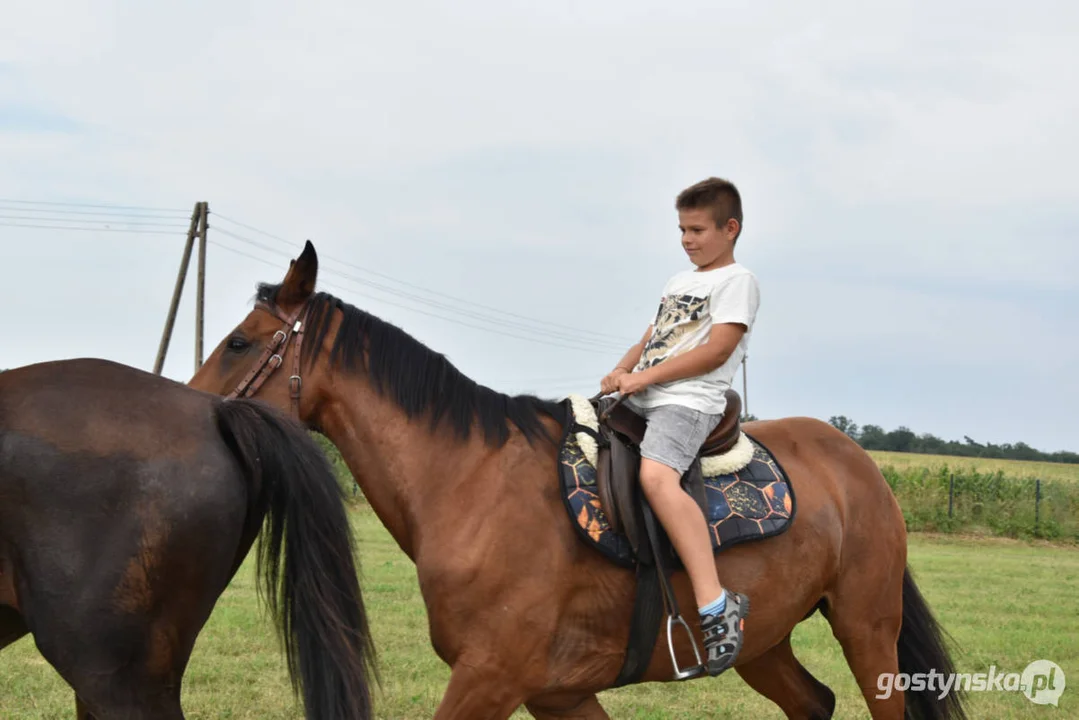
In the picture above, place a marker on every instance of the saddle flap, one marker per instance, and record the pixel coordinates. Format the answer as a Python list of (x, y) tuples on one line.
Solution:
[(604, 488), (693, 484), (625, 469)]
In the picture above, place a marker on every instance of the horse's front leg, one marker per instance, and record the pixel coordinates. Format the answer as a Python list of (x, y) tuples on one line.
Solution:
[(479, 689)]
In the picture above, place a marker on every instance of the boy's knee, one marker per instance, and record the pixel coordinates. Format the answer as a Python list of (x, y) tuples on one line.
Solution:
[(656, 476)]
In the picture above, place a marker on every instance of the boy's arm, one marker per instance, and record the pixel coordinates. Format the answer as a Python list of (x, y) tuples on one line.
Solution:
[(722, 341)]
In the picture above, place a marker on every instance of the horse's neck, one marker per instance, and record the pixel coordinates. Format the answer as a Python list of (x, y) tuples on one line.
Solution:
[(401, 467)]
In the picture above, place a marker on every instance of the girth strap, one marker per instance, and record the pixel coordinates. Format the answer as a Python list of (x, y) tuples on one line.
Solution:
[(644, 625)]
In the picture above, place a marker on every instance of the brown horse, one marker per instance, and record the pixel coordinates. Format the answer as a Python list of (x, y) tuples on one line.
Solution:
[(466, 481), (128, 502)]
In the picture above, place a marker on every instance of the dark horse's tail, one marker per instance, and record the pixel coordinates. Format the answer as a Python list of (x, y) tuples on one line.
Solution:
[(318, 609), (921, 650)]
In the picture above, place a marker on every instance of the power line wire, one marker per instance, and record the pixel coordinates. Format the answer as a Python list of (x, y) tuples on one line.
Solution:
[(599, 344), (44, 213), (84, 221), (591, 333), (90, 229), (91, 205), (45, 218), (422, 312)]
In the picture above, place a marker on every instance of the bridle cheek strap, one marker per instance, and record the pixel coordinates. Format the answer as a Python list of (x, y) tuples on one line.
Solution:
[(272, 357)]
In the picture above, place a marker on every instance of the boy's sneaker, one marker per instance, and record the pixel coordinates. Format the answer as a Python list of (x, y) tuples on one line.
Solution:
[(723, 633)]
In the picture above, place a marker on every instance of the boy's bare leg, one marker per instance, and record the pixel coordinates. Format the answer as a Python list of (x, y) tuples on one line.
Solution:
[(685, 525)]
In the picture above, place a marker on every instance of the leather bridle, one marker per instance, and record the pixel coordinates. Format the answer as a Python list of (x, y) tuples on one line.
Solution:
[(273, 356)]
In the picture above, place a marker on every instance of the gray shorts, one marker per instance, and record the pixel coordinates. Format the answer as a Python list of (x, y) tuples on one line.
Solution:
[(675, 434)]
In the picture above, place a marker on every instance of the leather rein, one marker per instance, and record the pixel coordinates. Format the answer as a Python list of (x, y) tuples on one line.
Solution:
[(273, 356)]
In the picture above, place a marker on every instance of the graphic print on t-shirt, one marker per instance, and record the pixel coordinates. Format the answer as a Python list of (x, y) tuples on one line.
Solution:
[(678, 316)]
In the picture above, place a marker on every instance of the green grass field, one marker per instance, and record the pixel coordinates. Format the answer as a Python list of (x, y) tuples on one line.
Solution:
[(1006, 602), (1013, 468)]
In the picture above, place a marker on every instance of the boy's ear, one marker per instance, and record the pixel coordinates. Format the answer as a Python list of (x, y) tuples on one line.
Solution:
[(299, 282)]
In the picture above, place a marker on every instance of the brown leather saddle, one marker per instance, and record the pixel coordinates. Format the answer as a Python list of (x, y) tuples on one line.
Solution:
[(618, 462)]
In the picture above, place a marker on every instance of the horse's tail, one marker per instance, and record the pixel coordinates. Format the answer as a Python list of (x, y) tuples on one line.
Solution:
[(318, 607), (922, 650)]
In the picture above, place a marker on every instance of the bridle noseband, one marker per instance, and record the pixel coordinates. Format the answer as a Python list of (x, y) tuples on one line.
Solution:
[(273, 356)]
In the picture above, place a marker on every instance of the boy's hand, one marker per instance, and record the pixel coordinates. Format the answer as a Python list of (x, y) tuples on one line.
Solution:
[(609, 383), (633, 382)]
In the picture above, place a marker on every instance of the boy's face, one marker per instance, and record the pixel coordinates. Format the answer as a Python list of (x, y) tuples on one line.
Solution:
[(707, 246)]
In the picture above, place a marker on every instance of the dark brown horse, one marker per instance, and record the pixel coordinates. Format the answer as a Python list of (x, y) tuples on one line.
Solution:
[(127, 503), (466, 481)]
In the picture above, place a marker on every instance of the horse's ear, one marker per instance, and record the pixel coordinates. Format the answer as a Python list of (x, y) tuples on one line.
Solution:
[(299, 282)]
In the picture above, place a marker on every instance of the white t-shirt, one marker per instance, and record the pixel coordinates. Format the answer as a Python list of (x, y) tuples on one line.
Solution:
[(692, 302)]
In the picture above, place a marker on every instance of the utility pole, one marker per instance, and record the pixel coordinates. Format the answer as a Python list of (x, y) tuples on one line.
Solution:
[(197, 228), (745, 387), (200, 288)]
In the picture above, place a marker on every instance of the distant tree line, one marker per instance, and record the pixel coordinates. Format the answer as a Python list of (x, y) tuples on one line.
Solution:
[(902, 439)]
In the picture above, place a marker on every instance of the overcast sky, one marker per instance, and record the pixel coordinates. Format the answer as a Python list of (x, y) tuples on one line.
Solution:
[(908, 177)]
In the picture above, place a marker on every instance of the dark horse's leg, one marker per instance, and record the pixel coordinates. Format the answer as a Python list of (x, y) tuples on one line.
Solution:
[(81, 711), (779, 676), (12, 626), (119, 663), (116, 608), (124, 646)]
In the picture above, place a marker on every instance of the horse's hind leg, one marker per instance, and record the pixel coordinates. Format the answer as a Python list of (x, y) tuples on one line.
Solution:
[(779, 676), (146, 703), (117, 670), (586, 709), (866, 614), (478, 690), (123, 645), (12, 626)]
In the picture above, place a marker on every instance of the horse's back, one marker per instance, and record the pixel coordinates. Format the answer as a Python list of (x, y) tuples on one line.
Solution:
[(103, 407), (98, 442)]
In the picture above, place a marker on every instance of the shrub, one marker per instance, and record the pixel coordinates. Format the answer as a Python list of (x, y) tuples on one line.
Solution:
[(984, 502)]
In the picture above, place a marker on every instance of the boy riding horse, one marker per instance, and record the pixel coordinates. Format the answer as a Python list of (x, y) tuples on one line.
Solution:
[(675, 378)]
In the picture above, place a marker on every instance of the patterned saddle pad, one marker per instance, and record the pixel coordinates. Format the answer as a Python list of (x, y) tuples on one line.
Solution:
[(751, 503)]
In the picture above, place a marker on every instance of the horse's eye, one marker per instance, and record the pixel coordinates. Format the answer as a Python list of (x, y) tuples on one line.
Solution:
[(238, 344)]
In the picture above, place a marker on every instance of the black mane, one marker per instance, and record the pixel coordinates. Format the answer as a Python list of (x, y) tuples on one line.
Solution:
[(417, 378)]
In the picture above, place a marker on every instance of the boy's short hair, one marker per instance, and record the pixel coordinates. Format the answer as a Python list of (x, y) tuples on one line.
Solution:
[(716, 193)]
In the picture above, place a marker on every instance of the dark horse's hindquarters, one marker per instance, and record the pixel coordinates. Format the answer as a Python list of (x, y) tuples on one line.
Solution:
[(127, 502)]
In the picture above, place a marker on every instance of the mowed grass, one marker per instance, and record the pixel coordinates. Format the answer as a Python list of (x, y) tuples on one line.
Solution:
[(1007, 603), (1013, 468)]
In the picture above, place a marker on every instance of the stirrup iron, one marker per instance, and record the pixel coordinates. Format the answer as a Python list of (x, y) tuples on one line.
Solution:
[(679, 673)]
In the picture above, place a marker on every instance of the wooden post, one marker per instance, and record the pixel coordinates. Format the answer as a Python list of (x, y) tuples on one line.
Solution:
[(951, 492), (1037, 504), (200, 291), (745, 388), (170, 321)]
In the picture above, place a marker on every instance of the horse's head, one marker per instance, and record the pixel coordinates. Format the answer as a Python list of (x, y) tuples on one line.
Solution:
[(261, 356)]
